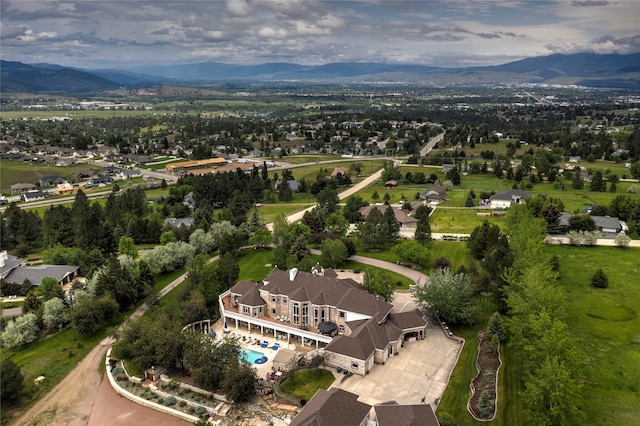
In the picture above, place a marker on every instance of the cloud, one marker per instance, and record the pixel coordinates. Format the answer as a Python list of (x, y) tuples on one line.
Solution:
[(238, 7), (602, 45), (589, 3), (488, 36), (268, 32), (164, 31), (9, 32)]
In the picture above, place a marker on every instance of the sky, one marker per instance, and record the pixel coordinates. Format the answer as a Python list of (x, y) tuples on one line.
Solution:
[(446, 33)]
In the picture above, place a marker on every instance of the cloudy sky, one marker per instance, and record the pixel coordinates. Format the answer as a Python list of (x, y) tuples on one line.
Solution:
[(108, 33)]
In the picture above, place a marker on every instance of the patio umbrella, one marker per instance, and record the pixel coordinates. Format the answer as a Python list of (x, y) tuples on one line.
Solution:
[(327, 327)]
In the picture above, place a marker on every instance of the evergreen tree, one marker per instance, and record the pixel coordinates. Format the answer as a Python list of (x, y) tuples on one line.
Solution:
[(599, 279), (495, 327), (485, 404), (394, 225), (374, 232), (423, 227), (597, 182)]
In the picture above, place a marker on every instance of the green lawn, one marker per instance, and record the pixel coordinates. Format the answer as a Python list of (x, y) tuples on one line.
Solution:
[(461, 221), (305, 383), (606, 324)]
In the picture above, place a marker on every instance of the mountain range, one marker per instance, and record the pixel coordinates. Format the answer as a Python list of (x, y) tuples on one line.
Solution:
[(585, 69)]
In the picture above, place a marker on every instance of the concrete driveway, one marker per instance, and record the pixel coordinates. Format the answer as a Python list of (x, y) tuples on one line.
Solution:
[(420, 370)]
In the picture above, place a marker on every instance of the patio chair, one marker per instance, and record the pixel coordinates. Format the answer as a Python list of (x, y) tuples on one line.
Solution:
[(264, 344), (275, 346)]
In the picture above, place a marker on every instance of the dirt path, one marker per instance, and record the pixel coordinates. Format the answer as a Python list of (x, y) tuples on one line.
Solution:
[(70, 403)]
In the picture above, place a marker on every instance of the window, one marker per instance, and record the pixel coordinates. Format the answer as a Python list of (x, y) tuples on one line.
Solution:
[(273, 311), (273, 299), (284, 300), (341, 314), (305, 314), (354, 365), (341, 328), (296, 313), (246, 310)]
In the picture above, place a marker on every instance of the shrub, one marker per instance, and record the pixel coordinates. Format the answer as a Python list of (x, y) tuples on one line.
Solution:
[(170, 401), (441, 263), (600, 279), (182, 403)]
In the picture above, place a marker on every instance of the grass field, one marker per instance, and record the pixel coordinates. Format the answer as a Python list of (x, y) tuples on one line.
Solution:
[(12, 172), (605, 322), (305, 383), (460, 221), (606, 327)]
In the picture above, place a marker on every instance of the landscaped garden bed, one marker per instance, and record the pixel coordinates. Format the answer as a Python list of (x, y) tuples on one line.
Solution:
[(483, 402)]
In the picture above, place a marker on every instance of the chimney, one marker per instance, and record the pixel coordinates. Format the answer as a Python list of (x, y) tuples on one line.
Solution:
[(292, 273)]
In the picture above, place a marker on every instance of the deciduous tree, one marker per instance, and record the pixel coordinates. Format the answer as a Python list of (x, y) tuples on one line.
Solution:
[(449, 295)]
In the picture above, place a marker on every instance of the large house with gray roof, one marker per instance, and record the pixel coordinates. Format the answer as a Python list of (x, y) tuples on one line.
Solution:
[(356, 329), (14, 271)]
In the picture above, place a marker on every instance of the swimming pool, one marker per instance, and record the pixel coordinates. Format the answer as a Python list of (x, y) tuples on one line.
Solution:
[(253, 357)]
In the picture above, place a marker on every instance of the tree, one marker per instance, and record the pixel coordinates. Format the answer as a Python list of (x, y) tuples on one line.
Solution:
[(423, 227), (127, 246), (374, 232), (328, 200), (448, 295), (495, 327), (454, 176), (284, 191), (394, 226), (411, 251), (300, 248), (167, 237), (49, 288), (55, 313), (12, 381), (622, 240), (375, 196), (334, 252), (599, 279), (485, 404), (194, 308), (582, 222), (239, 382), (482, 238), (261, 238), (597, 183), (469, 202), (337, 224), (380, 282), (31, 303), (21, 331), (576, 181), (351, 209)]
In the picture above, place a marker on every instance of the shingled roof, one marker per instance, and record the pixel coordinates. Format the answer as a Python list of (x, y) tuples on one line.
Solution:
[(405, 415), (346, 295), (331, 408)]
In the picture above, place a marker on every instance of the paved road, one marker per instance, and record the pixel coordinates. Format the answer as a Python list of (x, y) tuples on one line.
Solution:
[(429, 146)]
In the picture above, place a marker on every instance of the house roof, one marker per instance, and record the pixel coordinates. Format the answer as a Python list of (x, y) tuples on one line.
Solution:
[(405, 415), (407, 320), (602, 222), (251, 298), (20, 186), (510, 195), (332, 407), (33, 195), (178, 222), (346, 295), (401, 215), (35, 274), (9, 262)]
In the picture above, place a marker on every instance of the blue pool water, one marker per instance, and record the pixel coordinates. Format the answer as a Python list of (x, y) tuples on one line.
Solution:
[(253, 357)]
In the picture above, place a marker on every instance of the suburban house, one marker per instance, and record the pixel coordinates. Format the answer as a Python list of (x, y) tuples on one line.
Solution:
[(49, 181), (66, 189), (15, 271), (176, 222), (339, 407), (504, 199), (33, 196), (608, 225), (126, 174), (102, 180), (355, 328), (339, 171), (434, 194), (19, 188), (401, 215)]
